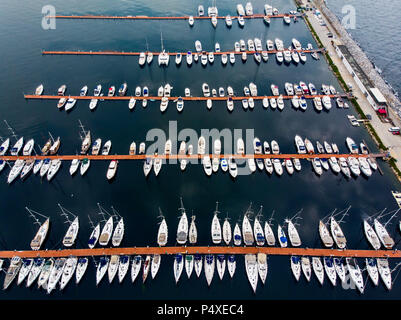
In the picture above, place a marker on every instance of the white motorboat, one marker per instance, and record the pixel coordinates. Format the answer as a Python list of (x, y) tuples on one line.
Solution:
[(61, 103), (373, 272), (296, 267), (278, 167), (355, 273), (214, 21), (352, 146), (156, 260), (191, 20), (198, 262), (4, 147), (44, 168), (383, 235), (204, 58), (26, 169), (334, 165), (106, 233), (157, 165), (178, 58), (28, 148), (353, 164), (17, 147), (147, 166), (106, 148), (326, 102), (241, 21), (71, 234), (337, 233), (163, 104), (385, 272), (344, 167), (306, 268), (102, 267), (251, 267), (68, 271), (93, 104), (229, 21), (61, 90), (70, 104), (299, 143), (136, 267), (265, 102), (317, 166), (189, 58), (142, 59), (237, 239), (123, 267), (317, 267), (178, 266), (201, 10), (297, 164), (330, 269), (371, 235), (365, 167), (232, 57), (205, 90), (325, 235), (163, 58)]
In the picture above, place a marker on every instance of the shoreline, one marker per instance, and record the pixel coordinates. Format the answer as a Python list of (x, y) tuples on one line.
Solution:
[(376, 128)]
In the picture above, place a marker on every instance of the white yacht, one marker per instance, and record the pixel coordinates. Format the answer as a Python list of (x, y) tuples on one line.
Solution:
[(38, 264), (330, 269), (146, 268), (371, 235), (162, 234), (45, 273), (68, 271), (71, 234), (251, 267), (232, 167), (55, 274), (156, 260), (118, 233), (123, 266), (53, 169), (94, 237), (198, 262), (207, 165), (25, 269), (178, 266), (231, 265), (258, 232), (191, 20), (282, 237), (383, 235), (40, 236), (278, 167), (227, 234), (247, 231), (216, 228), (82, 265), (237, 235), (317, 267), (385, 272), (355, 274), (136, 267), (209, 268), (147, 166), (306, 268), (296, 267), (293, 234), (373, 272), (269, 234), (102, 268), (106, 233), (163, 58), (262, 266), (325, 235), (337, 233), (189, 58), (182, 230), (221, 265), (299, 143), (340, 269)]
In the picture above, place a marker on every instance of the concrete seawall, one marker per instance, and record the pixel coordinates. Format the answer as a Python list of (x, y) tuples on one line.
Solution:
[(360, 56)]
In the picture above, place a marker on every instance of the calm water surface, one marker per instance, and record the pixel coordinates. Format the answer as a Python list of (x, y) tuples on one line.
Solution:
[(137, 199)]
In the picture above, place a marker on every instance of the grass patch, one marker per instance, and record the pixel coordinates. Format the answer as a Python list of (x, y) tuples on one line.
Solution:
[(393, 165)]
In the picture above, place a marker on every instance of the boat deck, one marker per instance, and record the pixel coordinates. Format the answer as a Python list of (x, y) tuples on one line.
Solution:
[(254, 16), (193, 156), (132, 53), (203, 250)]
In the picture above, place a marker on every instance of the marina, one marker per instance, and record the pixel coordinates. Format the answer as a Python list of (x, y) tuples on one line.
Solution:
[(316, 171)]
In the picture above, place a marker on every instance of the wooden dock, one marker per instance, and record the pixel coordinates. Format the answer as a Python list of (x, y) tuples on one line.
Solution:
[(127, 98), (141, 17), (193, 156), (132, 53), (202, 250)]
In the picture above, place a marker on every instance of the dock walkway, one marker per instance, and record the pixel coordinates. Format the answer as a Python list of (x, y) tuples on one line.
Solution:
[(202, 250)]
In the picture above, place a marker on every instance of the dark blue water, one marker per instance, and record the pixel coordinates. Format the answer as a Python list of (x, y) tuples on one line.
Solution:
[(375, 29), (137, 199)]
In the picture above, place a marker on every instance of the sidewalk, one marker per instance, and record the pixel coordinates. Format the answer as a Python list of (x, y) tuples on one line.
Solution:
[(393, 142)]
